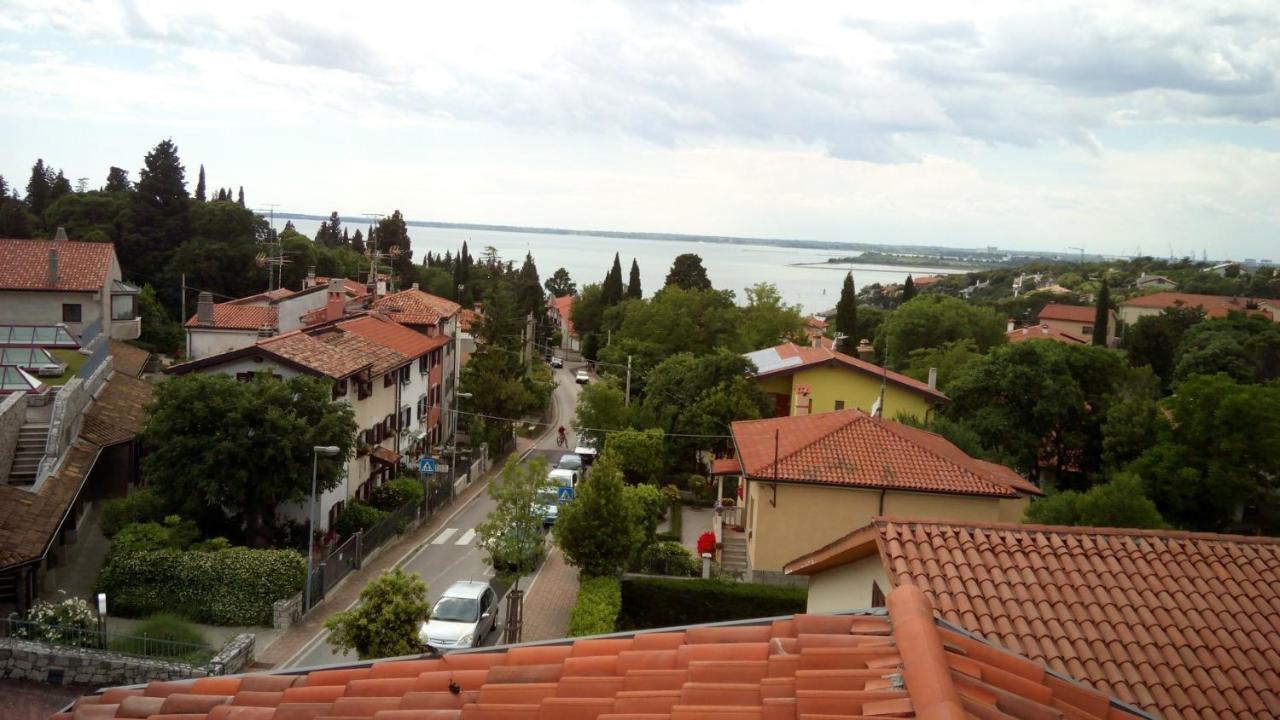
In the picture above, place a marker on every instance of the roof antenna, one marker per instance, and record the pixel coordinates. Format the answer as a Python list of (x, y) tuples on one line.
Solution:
[(877, 408)]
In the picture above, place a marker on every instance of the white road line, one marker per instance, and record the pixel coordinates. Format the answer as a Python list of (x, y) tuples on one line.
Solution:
[(467, 537), (444, 536)]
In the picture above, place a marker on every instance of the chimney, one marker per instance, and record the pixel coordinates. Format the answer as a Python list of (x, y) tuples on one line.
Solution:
[(933, 378), (335, 300), (866, 351), (204, 309), (311, 278), (60, 235), (53, 266), (415, 286)]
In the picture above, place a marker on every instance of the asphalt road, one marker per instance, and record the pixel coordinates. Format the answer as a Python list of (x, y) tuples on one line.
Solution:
[(453, 554)]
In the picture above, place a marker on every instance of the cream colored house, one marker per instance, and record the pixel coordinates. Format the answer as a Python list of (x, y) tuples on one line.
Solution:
[(75, 284), (1075, 321)]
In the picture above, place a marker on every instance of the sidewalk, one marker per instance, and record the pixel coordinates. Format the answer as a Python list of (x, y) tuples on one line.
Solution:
[(347, 592), (548, 605)]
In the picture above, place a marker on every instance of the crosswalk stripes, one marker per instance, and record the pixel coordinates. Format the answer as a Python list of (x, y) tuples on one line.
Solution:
[(444, 536), (447, 534), (466, 537)]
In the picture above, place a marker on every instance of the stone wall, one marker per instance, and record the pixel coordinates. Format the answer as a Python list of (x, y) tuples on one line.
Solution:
[(285, 613), (235, 656), (13, 410), (59, 665), (68, 416)]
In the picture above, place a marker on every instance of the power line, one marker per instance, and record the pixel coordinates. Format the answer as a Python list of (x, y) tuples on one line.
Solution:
[(587, 429)]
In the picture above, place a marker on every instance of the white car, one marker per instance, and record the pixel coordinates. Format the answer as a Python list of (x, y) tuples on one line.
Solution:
[(570, 461), (581, 377), (462, 617), (557, 361)]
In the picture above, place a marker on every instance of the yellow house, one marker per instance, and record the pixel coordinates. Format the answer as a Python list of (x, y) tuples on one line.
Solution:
[(807, 479), (806, 380)]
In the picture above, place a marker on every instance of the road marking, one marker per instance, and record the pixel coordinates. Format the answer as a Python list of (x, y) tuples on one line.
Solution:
[(444, 536), (467, 537)]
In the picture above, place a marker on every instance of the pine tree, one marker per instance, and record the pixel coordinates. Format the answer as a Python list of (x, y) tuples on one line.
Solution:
[(633, 282), (289, 227), (1102, 315), (357, 242), (611, 290), (847, 313), (335, 224), (908, 289), (240, 199), (38, 188), (200, 186), (4, 188), (324, 235), (161, 215), (393, 233), (687, 272), (59, 187), (346, 238), (117, 180)]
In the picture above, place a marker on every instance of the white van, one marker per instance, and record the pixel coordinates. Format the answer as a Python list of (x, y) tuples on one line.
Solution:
[(563, 478)]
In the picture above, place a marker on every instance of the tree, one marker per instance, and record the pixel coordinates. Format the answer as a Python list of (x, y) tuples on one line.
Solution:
[(932, 320), (216, 445), (15, 221), (908, 289), (357, 242), (1121, 502), (200, 187), (1102, 315), (611, 290), (385, 623), (117, 181), (601, 529), (240, 197), (1154, 340), (673, 320), (90, 214), (529, 289), (639, 454), (394, 233), (601, 409), (847, 315), (687, 272), (587, 310), (560, 285), (948, 359), (160, 214), (1132, 426), (59, 188), (767, 321), (633, 282), (1246, 347), (159, 333), (512, 532), (39, 188)]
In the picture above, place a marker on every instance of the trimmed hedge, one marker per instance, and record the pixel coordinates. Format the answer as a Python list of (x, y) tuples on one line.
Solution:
[(398, 493), (660, 602), (599, 600), (357, 517), (235, 586), (667, 558)]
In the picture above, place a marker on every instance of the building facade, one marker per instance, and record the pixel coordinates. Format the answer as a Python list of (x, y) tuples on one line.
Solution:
[(75, 284)]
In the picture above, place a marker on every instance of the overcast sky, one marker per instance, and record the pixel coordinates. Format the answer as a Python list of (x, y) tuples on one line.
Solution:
[(1113, 126)]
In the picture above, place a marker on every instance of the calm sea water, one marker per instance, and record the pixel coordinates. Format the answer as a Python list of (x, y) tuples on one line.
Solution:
[(588, 258)]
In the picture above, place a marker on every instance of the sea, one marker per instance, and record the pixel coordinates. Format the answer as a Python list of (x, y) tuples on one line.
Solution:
[(802, 276)]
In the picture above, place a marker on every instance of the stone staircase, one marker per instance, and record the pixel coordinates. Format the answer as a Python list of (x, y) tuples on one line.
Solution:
[(28, 453), (733, 554)]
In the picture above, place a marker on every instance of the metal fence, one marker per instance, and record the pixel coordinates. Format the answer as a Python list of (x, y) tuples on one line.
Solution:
[(334, 566), (94, 639), (390, 526)]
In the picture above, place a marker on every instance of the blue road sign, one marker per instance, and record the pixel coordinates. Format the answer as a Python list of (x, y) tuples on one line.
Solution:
[(566, 493), (426, 465)]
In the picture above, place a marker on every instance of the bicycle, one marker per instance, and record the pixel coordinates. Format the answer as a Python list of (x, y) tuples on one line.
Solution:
[(562, 440)]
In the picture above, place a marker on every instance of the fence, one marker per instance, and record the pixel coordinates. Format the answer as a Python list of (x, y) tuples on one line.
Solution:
[(94, 361), (135, 646), (389, 526), (333, 567)]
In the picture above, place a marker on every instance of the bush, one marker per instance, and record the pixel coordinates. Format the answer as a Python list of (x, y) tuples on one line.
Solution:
[(143, 505), (668, 558), (357, 517), (596, 611), (167, 628), (64, 619), (652, 602), (386, 621), (398, 493), (666, 537), (175, 533), (227, 587)]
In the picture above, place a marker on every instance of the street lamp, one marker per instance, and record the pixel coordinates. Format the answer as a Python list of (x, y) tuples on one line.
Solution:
[(316, 452)]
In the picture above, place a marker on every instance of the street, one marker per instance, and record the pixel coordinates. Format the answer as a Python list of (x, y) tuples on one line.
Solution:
[(453, 554)]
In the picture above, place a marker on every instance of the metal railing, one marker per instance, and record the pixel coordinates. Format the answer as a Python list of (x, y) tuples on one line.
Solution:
[(95, 640), (390, 526), (335, 565), (93, 362)]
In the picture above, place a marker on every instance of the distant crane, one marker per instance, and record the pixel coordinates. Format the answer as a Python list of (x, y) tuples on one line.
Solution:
[(1081, 253)]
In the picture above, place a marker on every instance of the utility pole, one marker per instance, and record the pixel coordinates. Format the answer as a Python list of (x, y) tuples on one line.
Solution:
[(184, 297), (626, 401)]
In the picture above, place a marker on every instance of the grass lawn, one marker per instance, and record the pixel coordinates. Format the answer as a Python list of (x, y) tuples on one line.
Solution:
[(72, 358)]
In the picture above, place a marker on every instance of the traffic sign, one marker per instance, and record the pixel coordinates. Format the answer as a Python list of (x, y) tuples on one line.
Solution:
[(566, 493), (426, 465)]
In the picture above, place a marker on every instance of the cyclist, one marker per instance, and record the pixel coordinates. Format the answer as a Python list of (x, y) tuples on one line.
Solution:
[(562, 439)]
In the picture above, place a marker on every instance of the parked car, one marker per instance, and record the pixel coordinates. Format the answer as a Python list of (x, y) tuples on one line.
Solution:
[(564, 477), (569, 461), (548, 506), (557, 361), (586, 450), (581, 377), (463, 616)]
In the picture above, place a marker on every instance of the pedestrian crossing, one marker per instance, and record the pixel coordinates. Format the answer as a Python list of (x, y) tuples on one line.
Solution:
[(447, 534)]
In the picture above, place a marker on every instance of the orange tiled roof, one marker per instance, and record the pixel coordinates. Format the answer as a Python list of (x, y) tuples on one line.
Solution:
[(82, 266), (726, 466), (1186, 625), (903, 664), (564, 306), (336, 355), (466, 318), (1071, 313), (393, 335), (789, 357), (1213, 305), (236, 316), (1043, 332), (851, 448), (414, 307)]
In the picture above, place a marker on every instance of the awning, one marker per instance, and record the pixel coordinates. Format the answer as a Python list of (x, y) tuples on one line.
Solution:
[(726, 466), (385, 456)]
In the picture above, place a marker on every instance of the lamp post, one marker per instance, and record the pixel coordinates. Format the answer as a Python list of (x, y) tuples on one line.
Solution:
[(453, 460), (316, 452)]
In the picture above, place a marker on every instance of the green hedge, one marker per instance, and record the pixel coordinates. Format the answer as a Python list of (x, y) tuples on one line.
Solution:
[(235, 586), (398, 493), (659, 602), (668, 558), (357, 517), (599, 599), (140, 506)]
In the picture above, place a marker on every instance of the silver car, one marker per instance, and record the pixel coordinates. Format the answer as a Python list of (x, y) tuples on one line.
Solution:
[(462, 618)]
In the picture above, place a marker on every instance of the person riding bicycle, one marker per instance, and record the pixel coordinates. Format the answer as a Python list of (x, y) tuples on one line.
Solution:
[(562, 438)]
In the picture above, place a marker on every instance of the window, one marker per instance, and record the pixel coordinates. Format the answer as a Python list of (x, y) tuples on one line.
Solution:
[(404, 417), (389, 379), (71, 312), (363, 389), (1087, 329), (424, 366), (877, 595), (839, 404), (244, 376), (404, 375), (335, 511), (124, 307), (339, 389)]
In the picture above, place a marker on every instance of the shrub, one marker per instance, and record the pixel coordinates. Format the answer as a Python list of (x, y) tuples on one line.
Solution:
[(596, 611), (64, 620), (386, 621), (357, 517), (142, 505), (668, 558), (671, 493), (168, 628), (175, 533), (666, 537), (649, 504), (601, 529), (648, 602), (398, 493), (235, 586)]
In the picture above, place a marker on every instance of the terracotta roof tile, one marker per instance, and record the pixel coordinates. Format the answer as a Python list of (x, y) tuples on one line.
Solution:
[(789, 357), (236, 316), (564, 306), (907, 664), (414, 307), (127, 359), (333, 352), (82, 266), (1043, 332), (1142, 615), (1072, 313), (1213, 305), (393, 335), (852, 448)]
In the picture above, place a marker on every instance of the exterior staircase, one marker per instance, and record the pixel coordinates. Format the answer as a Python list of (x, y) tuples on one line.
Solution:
[(733, 554), (29, 452)]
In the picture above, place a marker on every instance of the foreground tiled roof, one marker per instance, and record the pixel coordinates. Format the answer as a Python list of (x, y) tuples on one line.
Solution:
[(82, 266), (819, 667), (1186, 625), (128, 359), (237, 316), (1043, 332), (854, 449), (1213, 305), (789, 357), (1072, 313), (393, 335), (414, 307)]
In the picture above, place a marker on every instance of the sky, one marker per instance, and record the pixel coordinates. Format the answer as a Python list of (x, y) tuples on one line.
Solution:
[(1115, 126)]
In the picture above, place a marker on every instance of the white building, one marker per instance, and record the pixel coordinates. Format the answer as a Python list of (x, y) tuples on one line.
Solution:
[(222, 327)]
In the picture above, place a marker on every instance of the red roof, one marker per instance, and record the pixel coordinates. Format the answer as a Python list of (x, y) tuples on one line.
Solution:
[(356, 288), (1186, 625), (1043, 332), (235, 316), (393, 335), (1071, 313), (466, 318), (335, 353), (726, 466), (789, 357), (1213, 305), (414, 307), (82, 266), (564, 306), (850, 448), (903, 664)]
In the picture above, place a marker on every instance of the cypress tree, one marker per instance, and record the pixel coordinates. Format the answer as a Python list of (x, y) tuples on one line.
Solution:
[(611, 289), (847, 312), (117, 180), (38, 188), (633, 282), (1102, 315), (240, 200), (357, 242), (161, 217), (200, 187), (908, 289)]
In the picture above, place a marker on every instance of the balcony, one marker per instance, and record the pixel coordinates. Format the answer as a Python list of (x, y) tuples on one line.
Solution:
[(126, 329)]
